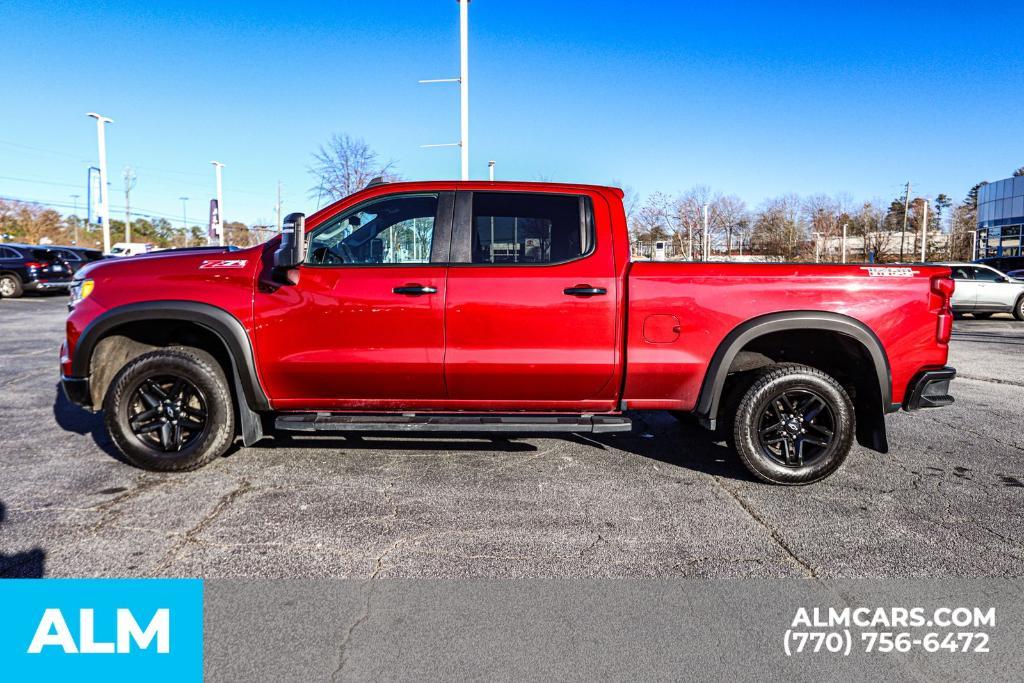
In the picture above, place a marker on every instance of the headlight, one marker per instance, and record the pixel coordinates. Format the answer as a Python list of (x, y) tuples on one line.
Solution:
[(80, 289)]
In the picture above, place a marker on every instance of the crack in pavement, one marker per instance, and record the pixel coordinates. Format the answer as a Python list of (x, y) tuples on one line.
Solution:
[(187, 537), (808, 570), (108, 507)]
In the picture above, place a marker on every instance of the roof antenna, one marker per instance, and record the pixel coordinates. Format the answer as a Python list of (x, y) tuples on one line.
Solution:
[(379, 180)]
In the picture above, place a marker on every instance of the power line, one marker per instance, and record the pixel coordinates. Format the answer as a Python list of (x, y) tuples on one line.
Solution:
[(65, 205)]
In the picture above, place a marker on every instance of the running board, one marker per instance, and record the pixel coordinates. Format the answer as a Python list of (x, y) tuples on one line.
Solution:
[(411, 422)]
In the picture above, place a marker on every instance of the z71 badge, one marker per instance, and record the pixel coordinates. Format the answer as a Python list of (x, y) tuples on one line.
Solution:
[(223, 263), (889, 271)]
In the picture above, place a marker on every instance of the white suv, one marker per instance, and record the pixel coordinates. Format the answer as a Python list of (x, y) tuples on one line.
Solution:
[(982, 291)]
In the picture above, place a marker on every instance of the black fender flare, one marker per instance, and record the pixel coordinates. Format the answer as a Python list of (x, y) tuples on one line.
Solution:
[(225, 326), (708, 402)]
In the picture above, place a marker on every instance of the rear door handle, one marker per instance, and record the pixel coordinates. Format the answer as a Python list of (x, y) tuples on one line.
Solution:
[(414, 290), (584, 290)]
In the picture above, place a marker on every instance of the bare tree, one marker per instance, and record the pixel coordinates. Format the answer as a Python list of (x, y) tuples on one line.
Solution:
[(344, 165), (652, 222), (779, 232)]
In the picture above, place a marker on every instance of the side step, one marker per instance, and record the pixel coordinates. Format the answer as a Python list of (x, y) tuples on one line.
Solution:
[(412, 422)]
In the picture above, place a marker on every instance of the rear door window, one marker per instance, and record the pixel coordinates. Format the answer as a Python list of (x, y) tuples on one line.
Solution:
[(518, 228)]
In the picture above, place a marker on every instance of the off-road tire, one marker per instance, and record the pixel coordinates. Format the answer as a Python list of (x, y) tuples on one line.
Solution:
[(771, 383), (196, 367), (10, 286)]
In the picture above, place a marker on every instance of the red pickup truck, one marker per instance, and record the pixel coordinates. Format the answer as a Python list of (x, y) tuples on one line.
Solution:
[(486, 307)]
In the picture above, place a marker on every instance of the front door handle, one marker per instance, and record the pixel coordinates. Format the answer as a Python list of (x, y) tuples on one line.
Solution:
[(584, 290), (414, 290)]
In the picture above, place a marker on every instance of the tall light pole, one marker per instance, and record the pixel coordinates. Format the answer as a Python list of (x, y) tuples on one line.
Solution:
[(220, 203), (104, 199), (707, 235), (75, 198), (490, 171), (463, 81), (184, 219), (844, 242)]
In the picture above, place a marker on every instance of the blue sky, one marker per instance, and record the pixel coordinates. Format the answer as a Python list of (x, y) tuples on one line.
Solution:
[(755, 99)]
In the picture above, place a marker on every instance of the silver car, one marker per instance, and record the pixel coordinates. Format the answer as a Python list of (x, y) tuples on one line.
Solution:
[(982, 291)]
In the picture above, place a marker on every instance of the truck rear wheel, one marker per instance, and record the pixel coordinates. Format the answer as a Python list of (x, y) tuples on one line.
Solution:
[(794, 425), (170, 410)]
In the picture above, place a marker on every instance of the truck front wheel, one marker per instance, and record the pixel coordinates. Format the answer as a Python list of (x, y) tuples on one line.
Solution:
[(170, 410), (794, 425)]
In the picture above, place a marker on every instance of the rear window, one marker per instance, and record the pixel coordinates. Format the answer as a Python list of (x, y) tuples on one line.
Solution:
[(523, 229)]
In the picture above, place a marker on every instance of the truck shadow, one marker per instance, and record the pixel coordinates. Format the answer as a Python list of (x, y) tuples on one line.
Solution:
[(30, 564), (71, 418), (659, 436)]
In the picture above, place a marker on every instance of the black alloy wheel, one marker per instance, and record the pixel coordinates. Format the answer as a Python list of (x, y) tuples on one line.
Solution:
[(796, 428), (170, 410), (792, 424), (167, 413)]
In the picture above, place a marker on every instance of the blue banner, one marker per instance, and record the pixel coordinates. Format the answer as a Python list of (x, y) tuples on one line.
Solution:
[(101, 629)]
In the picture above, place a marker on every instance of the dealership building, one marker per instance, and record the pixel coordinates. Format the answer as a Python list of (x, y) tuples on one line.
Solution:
[(1000, 217)]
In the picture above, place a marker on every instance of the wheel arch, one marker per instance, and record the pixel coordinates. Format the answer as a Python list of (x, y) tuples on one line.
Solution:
[(225, 328), (876, 387)]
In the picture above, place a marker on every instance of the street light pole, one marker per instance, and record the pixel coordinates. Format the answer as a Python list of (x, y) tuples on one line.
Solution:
[(490, 170), (184, 219), (220, 202), (463, 81), (104, 199), (707, 236), (844, 242)]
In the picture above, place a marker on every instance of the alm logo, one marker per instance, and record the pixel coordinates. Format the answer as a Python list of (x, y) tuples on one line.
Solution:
[(53, 631)]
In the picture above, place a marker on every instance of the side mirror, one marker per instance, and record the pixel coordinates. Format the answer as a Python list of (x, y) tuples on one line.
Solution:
[(292, 251)]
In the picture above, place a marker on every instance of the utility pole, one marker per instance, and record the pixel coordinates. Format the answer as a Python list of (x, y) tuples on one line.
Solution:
[(906, 210), (217, 166), (490, 170), (129, 183), (924, 232), (184, 219), (75, 197), (104, 199), (279, 206), (844, 242), (463, 81)]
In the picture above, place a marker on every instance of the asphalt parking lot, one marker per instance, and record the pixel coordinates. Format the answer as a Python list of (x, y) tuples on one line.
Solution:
[(663, 501)]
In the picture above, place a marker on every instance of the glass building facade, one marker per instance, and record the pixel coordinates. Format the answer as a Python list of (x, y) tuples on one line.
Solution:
[(1000, 217)]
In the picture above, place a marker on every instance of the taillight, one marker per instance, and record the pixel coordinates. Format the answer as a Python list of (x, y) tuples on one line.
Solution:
[(34, 264), (942, 292)]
